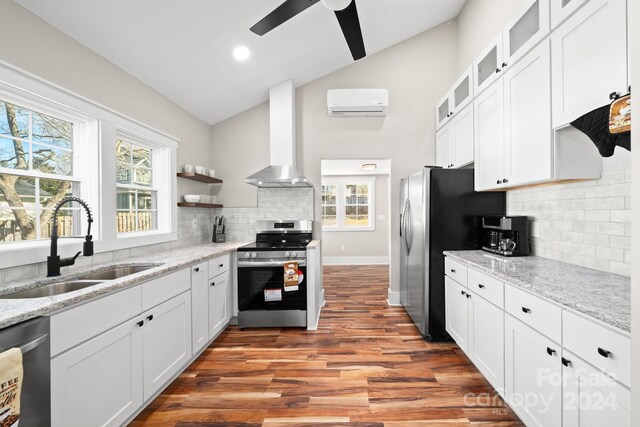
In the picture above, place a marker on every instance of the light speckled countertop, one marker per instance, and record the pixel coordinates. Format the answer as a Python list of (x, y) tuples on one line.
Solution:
[(603, 296), (13, 311)]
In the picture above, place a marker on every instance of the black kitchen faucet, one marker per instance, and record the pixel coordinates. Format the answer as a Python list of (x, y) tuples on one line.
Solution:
[(54, 262)]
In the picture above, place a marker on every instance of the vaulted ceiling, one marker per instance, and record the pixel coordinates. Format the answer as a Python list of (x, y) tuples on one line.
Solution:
[(183, 48)]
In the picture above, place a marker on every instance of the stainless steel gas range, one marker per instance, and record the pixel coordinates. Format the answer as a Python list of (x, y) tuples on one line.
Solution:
[(263, 298)]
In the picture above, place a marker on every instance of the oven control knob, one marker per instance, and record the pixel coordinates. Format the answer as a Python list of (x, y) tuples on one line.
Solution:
[(247, 255), (287, 254), (254, 255), (294, 255)]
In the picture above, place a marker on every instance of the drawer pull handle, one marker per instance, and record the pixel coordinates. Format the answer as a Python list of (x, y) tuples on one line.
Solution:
[(150, 317), (550, 351), (526, 310), (480, 285), (453, 270), (566, 362), (213, 283), (141, 323), (603, 352), (196, 269)]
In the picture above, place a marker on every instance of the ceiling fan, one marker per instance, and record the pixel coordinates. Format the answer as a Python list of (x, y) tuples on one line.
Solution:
[(345, 10)]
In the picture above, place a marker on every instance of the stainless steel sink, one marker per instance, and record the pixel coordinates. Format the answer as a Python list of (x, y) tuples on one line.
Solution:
[(117, 272), (52, 289)]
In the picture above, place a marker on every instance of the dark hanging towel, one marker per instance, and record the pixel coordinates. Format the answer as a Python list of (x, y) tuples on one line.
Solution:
[(608, 126)]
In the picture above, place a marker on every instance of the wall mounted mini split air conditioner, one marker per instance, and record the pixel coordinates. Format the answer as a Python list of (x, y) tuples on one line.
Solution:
[(357, 102)]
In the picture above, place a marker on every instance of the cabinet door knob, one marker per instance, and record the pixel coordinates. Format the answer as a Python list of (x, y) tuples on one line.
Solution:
[(453, 270), (499, 181), (550, 351), (498, 70), (566, 362), (468, 295), (140, 323), (150, 317), (463, 293), (213, 283), (504, 64), (505, 180), (196, 269), (221, 265), (480, 285), (603, 352), (526, 310)]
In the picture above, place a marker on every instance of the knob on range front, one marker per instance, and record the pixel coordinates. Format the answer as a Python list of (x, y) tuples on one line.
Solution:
[(254, 255)]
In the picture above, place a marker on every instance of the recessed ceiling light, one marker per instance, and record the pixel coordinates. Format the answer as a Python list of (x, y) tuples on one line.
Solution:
[(241, 53), (369, 166)]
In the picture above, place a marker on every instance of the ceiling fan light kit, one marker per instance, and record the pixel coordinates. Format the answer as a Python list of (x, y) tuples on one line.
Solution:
[(346, 13)]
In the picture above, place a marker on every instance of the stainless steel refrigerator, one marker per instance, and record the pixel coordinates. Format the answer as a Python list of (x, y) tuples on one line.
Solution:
[(439, 211)]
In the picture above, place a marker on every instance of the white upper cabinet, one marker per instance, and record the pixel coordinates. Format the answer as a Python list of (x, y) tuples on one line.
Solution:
[(488, 66), (462, 128), (589, 57), (527, 118), (562, 9), (525, 31), (456, 99), (444, 147), (489, 138)]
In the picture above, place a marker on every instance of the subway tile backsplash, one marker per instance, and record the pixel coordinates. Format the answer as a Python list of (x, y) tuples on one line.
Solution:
[(586, 223), (272, 204)]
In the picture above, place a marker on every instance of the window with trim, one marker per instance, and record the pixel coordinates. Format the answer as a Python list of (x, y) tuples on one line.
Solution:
[(348, 204), (36, 173), (136, 205)]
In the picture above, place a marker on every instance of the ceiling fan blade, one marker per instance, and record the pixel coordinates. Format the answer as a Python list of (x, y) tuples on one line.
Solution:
[(350, 25), (281, 14)]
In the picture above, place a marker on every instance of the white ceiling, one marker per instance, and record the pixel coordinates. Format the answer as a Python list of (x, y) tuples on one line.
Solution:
[(182, 48)]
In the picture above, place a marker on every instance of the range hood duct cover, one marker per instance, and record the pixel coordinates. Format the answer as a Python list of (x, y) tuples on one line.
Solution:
[(281, 173)]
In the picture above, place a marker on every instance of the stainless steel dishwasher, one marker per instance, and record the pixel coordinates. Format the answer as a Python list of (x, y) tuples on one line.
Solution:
[(32, 337)]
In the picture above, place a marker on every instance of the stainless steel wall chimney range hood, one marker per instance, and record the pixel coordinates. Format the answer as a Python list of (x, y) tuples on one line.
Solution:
[(281, 173)]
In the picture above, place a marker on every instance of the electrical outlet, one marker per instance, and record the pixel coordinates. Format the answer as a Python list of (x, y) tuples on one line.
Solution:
[(194, 223)]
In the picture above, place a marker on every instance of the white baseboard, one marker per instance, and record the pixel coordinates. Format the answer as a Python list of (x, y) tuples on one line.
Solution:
[(393, 298), (355, 260)]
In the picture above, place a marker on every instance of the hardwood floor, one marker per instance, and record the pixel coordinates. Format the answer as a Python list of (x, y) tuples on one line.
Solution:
[(366, 366)]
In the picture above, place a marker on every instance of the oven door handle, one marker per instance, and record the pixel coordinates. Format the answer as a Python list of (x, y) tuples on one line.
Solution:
[(301, 263), (25, 348)]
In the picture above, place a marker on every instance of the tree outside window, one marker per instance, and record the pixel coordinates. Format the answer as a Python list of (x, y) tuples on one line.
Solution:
[(36, 165)]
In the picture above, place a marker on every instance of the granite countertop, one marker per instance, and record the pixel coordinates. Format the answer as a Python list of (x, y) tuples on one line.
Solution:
[(603, 296), (14, 311)]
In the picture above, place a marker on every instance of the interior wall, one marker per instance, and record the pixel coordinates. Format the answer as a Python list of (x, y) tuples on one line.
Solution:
[(35, 46), (416, 73), (478, 23), (366, 245)]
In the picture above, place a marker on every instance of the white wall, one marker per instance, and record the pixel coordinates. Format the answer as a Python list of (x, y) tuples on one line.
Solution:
[(372, 244), (36, 47), (416, 73)]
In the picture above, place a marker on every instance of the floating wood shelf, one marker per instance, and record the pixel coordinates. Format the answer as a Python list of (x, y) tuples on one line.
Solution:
[(200, 178), (198, 205)]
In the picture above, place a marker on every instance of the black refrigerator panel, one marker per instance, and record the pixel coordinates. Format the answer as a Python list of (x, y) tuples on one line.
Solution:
[(455, 224)]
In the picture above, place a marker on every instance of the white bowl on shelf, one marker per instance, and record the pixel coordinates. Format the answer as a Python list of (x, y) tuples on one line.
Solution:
[(191, 198)]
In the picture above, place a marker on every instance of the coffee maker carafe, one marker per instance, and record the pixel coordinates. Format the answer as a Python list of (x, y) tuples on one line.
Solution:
[(506, 235)]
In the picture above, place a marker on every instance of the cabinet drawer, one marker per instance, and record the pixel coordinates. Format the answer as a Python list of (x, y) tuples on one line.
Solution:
[(218, 265), (605, 349), (455, 270), (159, 290), (541, 315), (78, 324), (487, 287)]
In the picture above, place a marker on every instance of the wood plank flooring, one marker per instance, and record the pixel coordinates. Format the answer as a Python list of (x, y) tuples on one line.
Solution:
[(365, 366)]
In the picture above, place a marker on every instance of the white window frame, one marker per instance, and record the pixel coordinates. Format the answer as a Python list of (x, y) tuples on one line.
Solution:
[(96, 129), (341, 210)]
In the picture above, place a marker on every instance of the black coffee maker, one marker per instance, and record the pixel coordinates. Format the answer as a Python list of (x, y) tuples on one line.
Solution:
[(506, 235)]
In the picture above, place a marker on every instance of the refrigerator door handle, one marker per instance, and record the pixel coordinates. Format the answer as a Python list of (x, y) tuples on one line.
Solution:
[(408, 228)]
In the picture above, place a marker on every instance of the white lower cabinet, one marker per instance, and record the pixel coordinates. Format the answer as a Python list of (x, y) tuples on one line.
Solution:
[(99, 383), (590, 397), (166, 342), (219, 313), (199, 307), (533, 375), (456, 312), (486, 339)]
